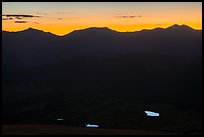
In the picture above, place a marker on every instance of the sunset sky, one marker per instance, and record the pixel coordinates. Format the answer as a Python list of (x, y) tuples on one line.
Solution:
[(61, 18)]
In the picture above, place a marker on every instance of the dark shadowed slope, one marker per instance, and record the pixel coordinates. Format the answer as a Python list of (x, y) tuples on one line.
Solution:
[(28, 48), (159, 58), (103, 76), (34, 48), (65, 130)]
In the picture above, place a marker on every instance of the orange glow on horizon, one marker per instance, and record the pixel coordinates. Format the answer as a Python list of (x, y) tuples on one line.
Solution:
[(123, 17), (62, 30)]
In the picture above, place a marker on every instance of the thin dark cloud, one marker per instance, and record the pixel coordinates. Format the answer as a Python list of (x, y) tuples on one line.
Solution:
[(128, 16), (20, 16), (7, 18), (22, 21), (36, 22), (59, 18)]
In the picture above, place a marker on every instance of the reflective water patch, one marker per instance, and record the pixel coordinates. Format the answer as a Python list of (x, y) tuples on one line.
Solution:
[(60, 119), (152, 114), (90, 125)]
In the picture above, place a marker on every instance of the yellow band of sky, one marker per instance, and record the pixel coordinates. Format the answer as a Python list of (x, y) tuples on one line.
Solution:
[(63, 18)]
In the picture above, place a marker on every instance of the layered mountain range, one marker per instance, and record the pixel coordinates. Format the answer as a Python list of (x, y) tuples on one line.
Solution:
[(33, 48), (159, 62)]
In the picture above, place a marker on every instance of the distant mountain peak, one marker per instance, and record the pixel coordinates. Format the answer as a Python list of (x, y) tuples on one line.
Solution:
[(177, 27), (185, 26), (155, 29), (96, 29), (29, 30), (32, 29), (92, 30)]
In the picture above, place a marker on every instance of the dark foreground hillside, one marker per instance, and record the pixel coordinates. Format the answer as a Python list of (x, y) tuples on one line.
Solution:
[(81, 105), (104, 77), (65, 130)]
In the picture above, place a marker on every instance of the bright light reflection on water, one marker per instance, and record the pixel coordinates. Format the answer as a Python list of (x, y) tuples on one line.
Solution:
[(151, 114), (60, 119), (90, 125)]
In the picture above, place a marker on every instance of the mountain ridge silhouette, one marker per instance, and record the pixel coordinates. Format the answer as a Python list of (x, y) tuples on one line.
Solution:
[(164, 64), (106, 28), (40, 47)]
